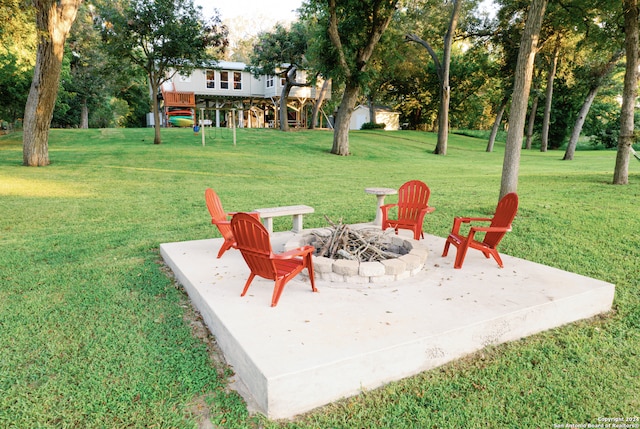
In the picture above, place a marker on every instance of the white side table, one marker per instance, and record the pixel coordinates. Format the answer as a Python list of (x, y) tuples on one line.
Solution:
[(380, 193)]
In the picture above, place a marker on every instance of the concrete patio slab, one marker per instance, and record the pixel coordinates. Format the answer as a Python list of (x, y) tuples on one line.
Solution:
[(315, 348)]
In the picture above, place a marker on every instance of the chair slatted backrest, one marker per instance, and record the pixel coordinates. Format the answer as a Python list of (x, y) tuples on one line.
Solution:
[(504, 215), (214, 205), (413, 196), (252, 239)]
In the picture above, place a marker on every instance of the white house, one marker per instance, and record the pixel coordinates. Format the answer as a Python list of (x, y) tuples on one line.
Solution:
[(227, 87), (384, 115)]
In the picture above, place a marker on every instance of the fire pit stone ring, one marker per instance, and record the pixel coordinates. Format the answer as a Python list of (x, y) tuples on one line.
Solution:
[(345, 273)]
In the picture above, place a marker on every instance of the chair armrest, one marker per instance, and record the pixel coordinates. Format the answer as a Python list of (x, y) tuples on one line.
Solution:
[(474, 229), (299, 251), (458, 220), (423, 212), (474, 219), (491, 228), (426, 210), (220, 222), (254, 214), (386, 207)]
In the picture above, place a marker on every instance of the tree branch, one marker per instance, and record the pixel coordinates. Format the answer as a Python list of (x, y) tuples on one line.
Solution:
[(414, 38), (334, 36)]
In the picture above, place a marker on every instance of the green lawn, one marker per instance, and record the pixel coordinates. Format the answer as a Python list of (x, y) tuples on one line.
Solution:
[(95, 334)]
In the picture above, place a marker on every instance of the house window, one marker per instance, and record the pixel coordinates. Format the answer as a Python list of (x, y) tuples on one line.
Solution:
[(211, 79), (270, 81), (237, 80), (224, 80)]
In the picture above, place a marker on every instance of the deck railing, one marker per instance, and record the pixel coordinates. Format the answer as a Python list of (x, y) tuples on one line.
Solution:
[(179, 99)]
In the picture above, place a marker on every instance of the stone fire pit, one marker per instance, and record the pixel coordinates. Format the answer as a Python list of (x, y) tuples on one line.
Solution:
[(411, 256)]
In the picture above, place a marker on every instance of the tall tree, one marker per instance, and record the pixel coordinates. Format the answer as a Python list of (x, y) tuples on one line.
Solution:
[(521, 87), (322, 96), (496, 124), (595, 81), (282, 52), (505, 37), (598, 50), (53, 22), (629, 94), (89, 76), (548, 95), (350, 32), (442, 68), (162, 37), (528, 140)]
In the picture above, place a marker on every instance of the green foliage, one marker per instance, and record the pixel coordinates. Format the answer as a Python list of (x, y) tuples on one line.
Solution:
[(357, 20), (563, 113), (96, 334), (473, 77), (14, 87), (160, 36), (606, 138), (372, 126), (17, 56), (606, 133), (281, 48), (604, 114)]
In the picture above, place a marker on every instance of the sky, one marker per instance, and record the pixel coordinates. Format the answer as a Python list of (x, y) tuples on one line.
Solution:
[(262, 13)]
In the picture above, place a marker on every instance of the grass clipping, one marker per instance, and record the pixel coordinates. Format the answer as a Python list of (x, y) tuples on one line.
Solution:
[(363, 245)]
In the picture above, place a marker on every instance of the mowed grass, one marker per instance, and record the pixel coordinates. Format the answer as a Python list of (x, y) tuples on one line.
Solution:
[(94, 333)]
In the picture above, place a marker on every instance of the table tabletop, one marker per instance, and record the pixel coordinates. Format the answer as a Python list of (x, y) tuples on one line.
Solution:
[(381, 191)]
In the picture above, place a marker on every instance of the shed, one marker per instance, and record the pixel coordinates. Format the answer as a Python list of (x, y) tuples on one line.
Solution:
[(384, 115)]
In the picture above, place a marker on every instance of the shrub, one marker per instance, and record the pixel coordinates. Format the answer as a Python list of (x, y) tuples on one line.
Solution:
[(372, 126)]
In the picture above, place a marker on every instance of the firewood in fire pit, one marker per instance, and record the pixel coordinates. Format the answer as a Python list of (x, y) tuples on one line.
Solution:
[(364, 245)]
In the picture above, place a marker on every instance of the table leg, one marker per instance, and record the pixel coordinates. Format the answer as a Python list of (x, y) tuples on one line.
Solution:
[(378, 220)]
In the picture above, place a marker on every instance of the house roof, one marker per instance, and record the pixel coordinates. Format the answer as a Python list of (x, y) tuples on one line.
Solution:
[(231, 65), (227, 65), (377, 108)]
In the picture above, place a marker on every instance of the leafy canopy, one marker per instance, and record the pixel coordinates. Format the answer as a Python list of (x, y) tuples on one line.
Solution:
[(160, 35), (279, 49)]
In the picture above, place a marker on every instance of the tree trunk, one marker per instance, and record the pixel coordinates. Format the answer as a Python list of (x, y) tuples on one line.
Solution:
[(445, 90), (496, 124), (629, 94), (521, 88), (372, 110), (343, 117), (84, 115), (586, 106), (282, 107), (531, 123), (157, 139), (318, 104), (551, 75), (442, 69), (53, 21), (289, 82), (443, 118), (577, 127)]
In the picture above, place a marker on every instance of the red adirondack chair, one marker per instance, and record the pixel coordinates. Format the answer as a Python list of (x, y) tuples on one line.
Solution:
[(252, 239), (221, 219), (499, 226), (413, 199)]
